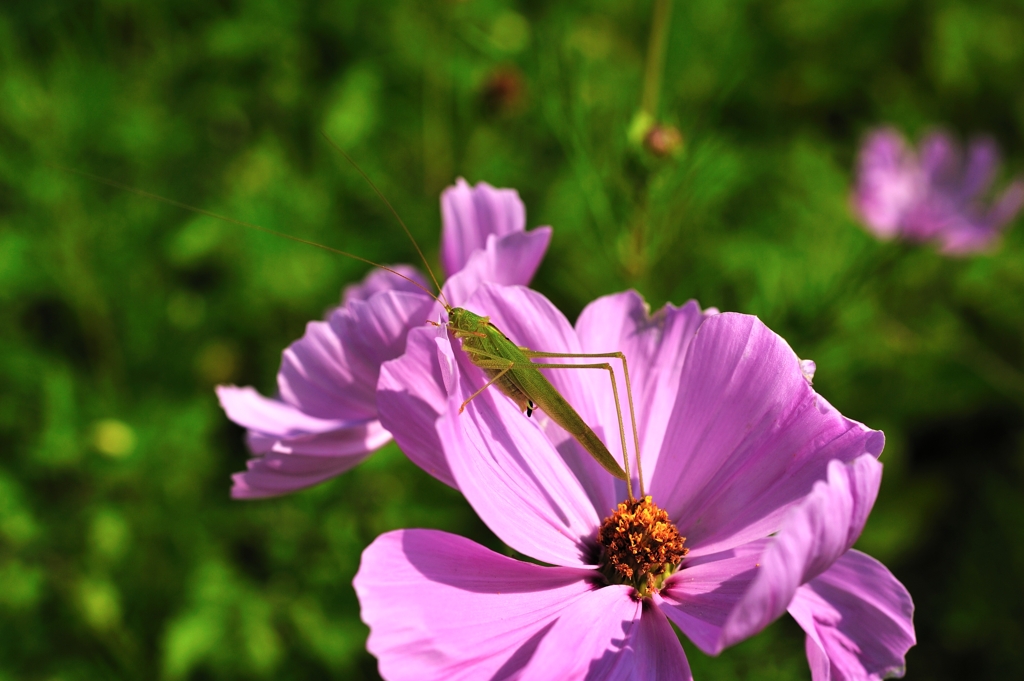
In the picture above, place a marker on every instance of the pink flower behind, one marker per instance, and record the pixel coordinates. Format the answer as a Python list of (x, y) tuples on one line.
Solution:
[(471, 215), (767, 484), (934, 194), (325, 419)]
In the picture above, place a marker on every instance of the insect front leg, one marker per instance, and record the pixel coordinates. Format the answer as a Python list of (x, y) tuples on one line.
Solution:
[(485, 360)]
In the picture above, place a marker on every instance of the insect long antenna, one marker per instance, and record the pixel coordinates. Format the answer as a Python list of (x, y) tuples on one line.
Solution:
[(394, 212), (243, 223)]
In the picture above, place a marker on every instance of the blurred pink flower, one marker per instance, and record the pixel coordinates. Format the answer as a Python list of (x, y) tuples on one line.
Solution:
[(324, 420), (766, 482), (935, 194)]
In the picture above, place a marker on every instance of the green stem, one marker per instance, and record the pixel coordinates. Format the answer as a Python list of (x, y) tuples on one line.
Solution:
[(656, 56)]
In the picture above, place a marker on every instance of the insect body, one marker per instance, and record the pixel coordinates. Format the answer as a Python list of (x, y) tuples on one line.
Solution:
[(511, 370)]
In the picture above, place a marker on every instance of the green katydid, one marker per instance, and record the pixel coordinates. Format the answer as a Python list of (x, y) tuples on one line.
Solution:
[(507, 365), (510, 370)]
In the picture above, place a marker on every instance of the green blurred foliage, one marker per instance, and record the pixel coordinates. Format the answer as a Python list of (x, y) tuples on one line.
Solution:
[(120, 553)]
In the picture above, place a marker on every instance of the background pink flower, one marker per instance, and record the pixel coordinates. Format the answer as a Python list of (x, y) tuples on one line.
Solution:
[(935, 194), (324, 419), (769, 484)]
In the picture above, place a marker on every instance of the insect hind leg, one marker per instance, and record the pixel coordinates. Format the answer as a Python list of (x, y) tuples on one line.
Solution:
[(629, 393), (618, 410)]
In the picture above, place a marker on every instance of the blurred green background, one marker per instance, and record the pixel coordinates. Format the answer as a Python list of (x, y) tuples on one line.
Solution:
[(121, 556)]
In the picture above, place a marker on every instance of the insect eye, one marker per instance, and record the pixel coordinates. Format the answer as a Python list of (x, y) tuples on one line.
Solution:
[(530, 406)]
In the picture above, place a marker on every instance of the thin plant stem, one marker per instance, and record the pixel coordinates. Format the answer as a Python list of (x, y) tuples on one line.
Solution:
[(656, 56)]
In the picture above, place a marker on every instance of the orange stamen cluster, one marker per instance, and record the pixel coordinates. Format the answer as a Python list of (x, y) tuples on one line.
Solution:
[(640, 546)]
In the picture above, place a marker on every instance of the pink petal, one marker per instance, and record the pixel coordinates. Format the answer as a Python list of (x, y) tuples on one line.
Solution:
[(509, 260), (1007, 206), (410, 397), (706, 589), (965, 238), (381, 280), (470, 215), (658, 655), (608, 635), (815, 534), (972, 232), (331, 372), (747, 437), (354, 442), (941, 159), (274, 473), (513, 476), (858, 619), (446, 359), (327, 409), (443, 607), (655, 347), (980, 168), (321, 449), (889, 182), (271, 417)]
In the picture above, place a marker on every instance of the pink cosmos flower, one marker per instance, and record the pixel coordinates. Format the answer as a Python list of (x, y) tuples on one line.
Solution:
[(324, 420), (935, 194), (766, 485)]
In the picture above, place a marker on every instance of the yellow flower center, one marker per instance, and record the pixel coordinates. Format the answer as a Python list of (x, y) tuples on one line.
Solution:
[(640, 546)]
